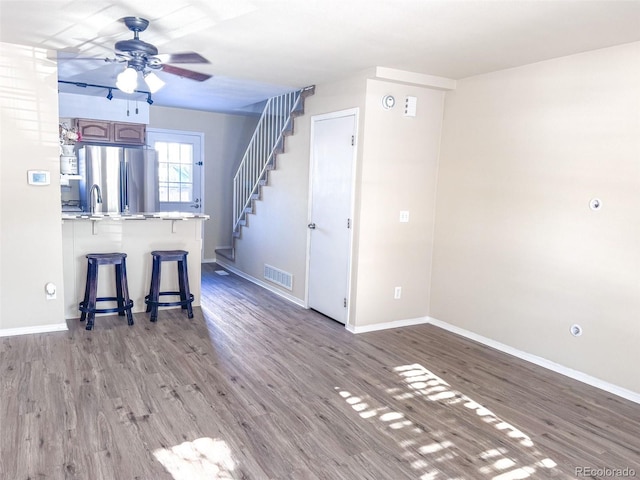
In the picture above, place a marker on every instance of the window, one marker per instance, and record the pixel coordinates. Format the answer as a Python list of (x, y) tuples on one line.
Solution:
[(175, 171)]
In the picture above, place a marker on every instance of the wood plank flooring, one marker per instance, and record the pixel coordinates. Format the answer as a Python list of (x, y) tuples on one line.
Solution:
[(255, 387)]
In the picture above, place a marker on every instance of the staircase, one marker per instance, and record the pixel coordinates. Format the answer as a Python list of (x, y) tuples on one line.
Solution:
[(276, 122)]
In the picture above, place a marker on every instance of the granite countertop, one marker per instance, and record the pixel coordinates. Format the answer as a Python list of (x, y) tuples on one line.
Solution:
[(133, 216)]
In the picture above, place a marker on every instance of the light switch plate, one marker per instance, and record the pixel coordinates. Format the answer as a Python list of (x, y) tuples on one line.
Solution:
[(410, 106)]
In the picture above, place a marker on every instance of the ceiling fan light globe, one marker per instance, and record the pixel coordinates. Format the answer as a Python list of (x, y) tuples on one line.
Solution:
[(127, 81), (153, 81)]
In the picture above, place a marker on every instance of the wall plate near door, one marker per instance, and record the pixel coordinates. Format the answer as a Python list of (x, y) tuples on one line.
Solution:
[(595, 204)]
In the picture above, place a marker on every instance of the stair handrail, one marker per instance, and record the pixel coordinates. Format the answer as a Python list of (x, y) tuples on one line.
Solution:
[(274, 121)]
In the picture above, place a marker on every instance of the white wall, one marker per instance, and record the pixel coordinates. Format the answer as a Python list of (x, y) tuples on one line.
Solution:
[(30, 226), (519, 257), (225, 139), (398, 172)]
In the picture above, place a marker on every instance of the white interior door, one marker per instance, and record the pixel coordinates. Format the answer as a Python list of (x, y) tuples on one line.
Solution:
[(179, 162), (332, 160)]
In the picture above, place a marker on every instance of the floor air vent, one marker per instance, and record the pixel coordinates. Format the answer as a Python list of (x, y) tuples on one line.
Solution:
[(280, 277)]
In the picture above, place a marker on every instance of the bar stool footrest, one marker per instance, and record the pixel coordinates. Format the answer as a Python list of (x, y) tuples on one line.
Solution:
[(183, 303), (127, 306)]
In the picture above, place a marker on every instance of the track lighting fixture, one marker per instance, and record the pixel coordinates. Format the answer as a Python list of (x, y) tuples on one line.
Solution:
[(106, 87)]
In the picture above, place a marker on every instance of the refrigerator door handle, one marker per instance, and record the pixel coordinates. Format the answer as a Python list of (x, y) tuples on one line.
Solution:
[(124, 191)]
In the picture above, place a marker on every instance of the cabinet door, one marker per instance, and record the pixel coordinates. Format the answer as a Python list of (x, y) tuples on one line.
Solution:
[(95, 130), (129, 133)]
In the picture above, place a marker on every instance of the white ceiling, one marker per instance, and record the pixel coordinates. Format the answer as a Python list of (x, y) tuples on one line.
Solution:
[(260, 48)]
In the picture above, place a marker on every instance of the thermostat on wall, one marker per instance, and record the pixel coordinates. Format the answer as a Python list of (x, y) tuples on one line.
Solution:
[(39, 177), (388, 102)]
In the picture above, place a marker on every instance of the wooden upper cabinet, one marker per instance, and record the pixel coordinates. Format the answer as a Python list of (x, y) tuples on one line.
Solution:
[(111, 132), (129, 133), (95, 130)]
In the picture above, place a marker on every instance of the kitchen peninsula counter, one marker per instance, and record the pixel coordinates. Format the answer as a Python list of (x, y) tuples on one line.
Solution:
[(137, 235)]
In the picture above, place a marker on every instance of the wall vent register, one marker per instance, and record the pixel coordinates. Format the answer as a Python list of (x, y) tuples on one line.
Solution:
[(279, 277)]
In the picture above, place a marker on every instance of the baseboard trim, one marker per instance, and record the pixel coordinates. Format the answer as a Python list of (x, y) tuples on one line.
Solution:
[(541, 362), (11, 332), (208, 260), (260, 283), (387, 325)]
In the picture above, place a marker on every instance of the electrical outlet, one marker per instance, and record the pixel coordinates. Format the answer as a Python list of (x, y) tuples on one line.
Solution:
[(404, 216), (50, 291), (397, 293)]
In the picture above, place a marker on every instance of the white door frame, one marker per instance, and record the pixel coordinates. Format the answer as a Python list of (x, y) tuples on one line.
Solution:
[(316, 118), (200, 135)]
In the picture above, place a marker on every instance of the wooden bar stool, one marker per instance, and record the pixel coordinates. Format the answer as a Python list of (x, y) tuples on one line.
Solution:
[(186, 297), (124, 303)]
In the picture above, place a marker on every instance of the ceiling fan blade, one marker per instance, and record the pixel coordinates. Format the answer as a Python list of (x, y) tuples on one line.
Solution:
[(91, 59), (183, 72), (184, 57)]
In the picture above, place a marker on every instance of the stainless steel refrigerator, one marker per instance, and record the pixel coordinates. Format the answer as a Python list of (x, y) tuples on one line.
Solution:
[(126, 179)]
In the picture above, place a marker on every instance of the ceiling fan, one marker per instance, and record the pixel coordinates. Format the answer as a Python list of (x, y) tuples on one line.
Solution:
[(143, 57)]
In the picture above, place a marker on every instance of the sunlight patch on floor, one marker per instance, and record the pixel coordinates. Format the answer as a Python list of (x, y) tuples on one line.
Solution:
[(424, 383), (202, 459), (433, 458)]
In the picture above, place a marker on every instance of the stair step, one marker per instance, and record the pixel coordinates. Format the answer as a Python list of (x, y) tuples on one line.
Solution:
[(228, 253)]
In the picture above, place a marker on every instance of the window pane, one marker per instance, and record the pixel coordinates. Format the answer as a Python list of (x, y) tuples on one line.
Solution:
[(174, 192), (174, 172), (186, 153), (163, 192), (174, 152), (185, 193), (185, 173), (163, 174)]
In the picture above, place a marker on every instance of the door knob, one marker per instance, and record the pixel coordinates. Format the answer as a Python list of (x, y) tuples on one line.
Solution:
[(312, 226)]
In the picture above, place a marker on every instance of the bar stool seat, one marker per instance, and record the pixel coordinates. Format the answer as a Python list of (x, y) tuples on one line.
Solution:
[(186, 297), (88, 306)]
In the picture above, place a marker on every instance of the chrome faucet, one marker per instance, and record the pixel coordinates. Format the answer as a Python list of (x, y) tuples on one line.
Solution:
[(95, 187)]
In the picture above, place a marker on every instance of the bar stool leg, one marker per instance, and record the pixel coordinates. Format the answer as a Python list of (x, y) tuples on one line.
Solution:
[(119, 289), (154, 291), (124, 292), (183, 296), (93, 293), (185, 293), (153, 276), (85, 300)]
